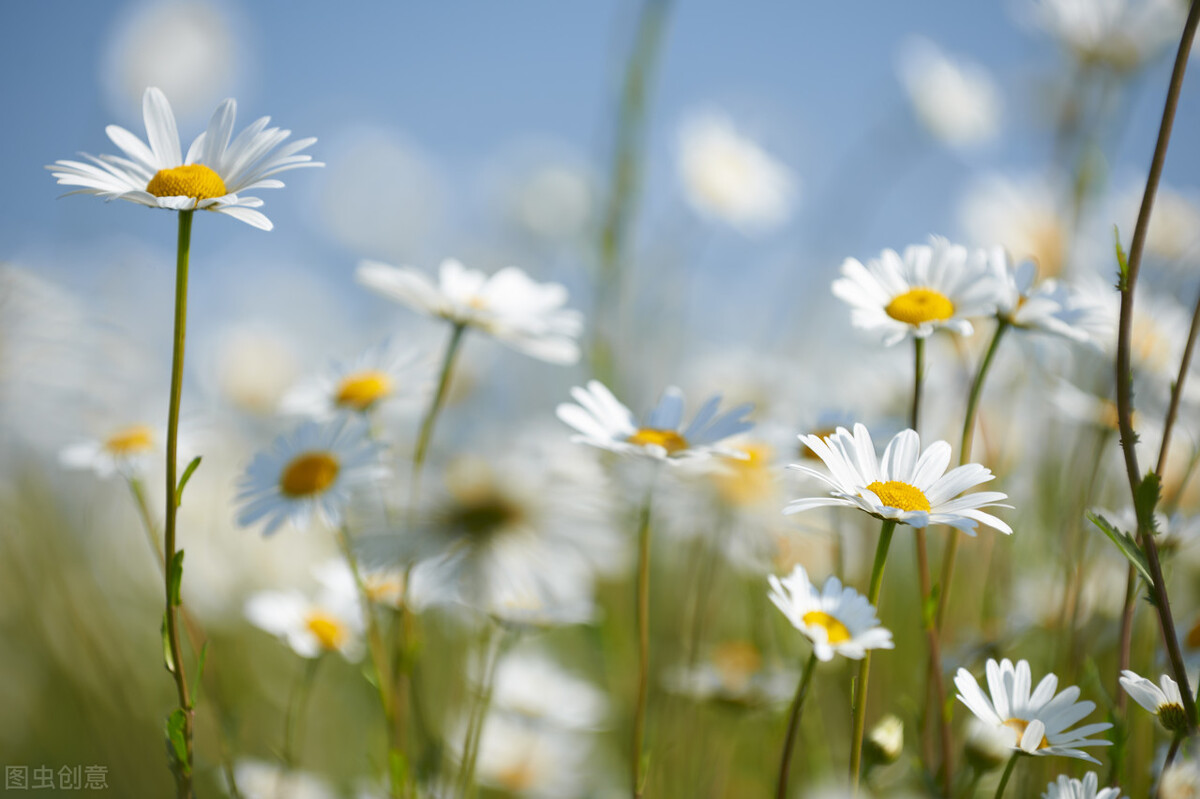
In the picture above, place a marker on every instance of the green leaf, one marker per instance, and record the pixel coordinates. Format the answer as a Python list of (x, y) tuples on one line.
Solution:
[(183, 481), (1126, 544), (1122, 262), (177, 738), (398, 766), (1145, 500), (175, 577), (199, 671), (168, 660)]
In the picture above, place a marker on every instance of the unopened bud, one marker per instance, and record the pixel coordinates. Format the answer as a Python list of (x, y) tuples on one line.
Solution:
[(885, 741)]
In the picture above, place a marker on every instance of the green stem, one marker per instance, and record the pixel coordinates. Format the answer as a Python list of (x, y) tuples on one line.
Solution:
[(183, 771), (435, 407), (914, 415), (493, 646), (643, 628), (934, 686), (789, 741), (964, 456), (864, 667), (293, 722), (1008, 770)]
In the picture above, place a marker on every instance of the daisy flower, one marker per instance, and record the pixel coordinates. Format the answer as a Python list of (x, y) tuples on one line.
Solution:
[(906, 485), (1120, 33), (838, 621), (330, 623), (602, 421), (379, 375), (1024, 214), (1036, 723), (733, 673), (1181, 780), (123, 451), (534, 690), (210, 177), (1047, 306), (509, 305), (1166, 702), (1087, 788), (308, 474), (525, 760), (259, 780), (729, 178), (956, 101), (930, 287)]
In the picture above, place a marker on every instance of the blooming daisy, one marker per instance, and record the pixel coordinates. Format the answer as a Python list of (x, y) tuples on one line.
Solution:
[(379, 375), (1047, 306), (1166, 702), (733, 673), (1088, 788), (1036, 723), (122, 451), (907, 485), (527, 315), (731, 179), (956, 101), (1180, 780), (525, 760), (1026, 215), (604, 422), (1120, 33), (930, 287), (330, 623), (209, 178), (308, 473), (838, 621), (532, 689)]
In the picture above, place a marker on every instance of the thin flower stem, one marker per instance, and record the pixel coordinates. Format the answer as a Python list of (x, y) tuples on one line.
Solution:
[(293, 722), (183, 771), (964, 456), (493, 648), (625, 181), (934, 684), (789, 742), (1177, 390), (643, 628), (435, 407), (143, 508), (864, 667), (914, 416), (1008, 770), (1124, 367), (1174, 750), (1125, 642)]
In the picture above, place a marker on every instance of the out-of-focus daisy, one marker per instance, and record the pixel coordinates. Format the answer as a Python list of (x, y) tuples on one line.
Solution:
[(258, 780), (1174, 232), (209, 178), (533, 689), (885, 742), (1088, 788), (1120, 33), (1181, 780), (907, 485), (382, 586), (930, 287), (383, 373), (1037, 723), (527, 760), (330, 623), (527, 315), (602, 421), (734, 673), (1166, 702), (1159, 332), (552, 200), (1022, 214), (729, 178), (1047, 306), (123, 451), (838, 621), (957, 101), (308, 474)]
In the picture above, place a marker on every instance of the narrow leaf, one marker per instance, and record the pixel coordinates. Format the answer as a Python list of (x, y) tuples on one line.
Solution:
[(1145, 500), (183, 481), (177, 739), (199, 672), (1122, 261), (1126, 544), (168, 660)]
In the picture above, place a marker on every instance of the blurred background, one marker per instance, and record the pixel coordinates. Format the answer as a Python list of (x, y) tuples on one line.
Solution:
[(775, 140)]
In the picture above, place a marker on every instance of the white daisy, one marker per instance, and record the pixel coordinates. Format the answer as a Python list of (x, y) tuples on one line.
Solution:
[(907, 485), (1047, 306), (733, 672), (123, 451), (308, 473), (209, 178), (1036, 723), (1121, 33), (525, 760), (311, 627), (532, 689), (1023, 214), (838, 621), (382, 374), (1088, 788), (1180, 781), (382, 586), (259, 780), (602, 421), (527, 315), (1166, 702), (957, 101), (730, 178), (932, 286)]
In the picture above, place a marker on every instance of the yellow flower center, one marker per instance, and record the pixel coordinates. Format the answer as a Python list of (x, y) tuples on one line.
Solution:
[(384, 589), (736, 662), (746, 481), (520, 775), (669, 440), (361, 390), (1018, 726), (835, 631), (189, 180), (920, 305), (895, 494), (309, 473), (131, 440), (328, 631)]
